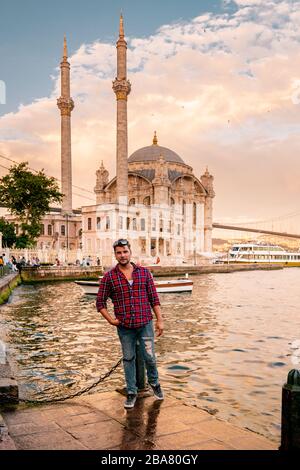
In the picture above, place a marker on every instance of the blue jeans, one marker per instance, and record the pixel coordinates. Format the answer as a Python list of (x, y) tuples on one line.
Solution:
[(128, 338)]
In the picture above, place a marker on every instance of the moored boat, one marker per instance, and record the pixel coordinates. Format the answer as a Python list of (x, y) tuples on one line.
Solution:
[(258, 253), (166, 286)]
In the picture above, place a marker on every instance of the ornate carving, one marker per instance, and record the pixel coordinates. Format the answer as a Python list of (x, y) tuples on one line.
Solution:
[(102, 178), (121, 88), (207, 181), (66, 105)]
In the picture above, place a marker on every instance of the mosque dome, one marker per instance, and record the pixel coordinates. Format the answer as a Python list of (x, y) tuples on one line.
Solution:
[(153, 153)]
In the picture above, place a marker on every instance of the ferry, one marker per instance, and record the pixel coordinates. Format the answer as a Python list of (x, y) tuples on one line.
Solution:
[(258, 253), (167, 286)]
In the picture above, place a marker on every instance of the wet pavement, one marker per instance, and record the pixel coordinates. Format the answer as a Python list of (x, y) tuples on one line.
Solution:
[(100, 422)]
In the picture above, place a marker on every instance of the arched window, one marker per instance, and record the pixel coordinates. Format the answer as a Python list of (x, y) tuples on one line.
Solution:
[(146, 201), (128, 223), (132, 202), (172, 201), (154, 225), (63, 230), (143, 224), (98, 223), (194, 213), (89, 223), (120, 222), (42, 229), (107, 226), (134, 224), (50, 230)]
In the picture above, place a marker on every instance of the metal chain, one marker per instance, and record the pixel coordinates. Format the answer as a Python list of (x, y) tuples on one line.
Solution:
[(77, 394)]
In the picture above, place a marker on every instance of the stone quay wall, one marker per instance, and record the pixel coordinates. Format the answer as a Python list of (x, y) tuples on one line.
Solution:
[(34, 274)]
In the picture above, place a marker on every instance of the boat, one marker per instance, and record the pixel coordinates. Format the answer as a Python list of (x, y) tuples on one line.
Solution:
[(260, 253), (166, 286)]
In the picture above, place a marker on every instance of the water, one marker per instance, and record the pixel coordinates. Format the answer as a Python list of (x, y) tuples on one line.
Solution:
[(227, 347)]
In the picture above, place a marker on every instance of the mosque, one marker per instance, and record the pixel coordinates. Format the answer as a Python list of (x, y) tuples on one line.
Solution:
[(155, 200)]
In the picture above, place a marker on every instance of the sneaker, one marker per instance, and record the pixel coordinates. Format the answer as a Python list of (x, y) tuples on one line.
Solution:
[(158, 393), (130, 401)]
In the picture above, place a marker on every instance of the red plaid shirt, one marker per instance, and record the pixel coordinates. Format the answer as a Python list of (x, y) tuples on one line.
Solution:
[(132, 304)]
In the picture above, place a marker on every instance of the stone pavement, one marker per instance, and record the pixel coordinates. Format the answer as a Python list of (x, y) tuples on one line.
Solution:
[(100, 422)]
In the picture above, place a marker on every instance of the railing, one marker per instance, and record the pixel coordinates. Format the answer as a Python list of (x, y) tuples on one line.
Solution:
[(4, 270)]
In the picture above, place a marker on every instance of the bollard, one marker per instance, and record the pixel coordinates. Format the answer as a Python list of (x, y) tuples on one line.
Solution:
[(140, 368), (290, 415)]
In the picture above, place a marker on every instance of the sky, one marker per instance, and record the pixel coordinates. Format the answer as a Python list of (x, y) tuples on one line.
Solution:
[(218, 80)]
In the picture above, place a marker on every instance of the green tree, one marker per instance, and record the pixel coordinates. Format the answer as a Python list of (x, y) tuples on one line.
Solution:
[(8, 233), (28, 196)]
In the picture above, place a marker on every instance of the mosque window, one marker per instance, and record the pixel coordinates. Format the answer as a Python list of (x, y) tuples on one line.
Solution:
[(143, 224), (146, 201), (134, 224), (50, 230), (42, 229), (89, 223), (107, 226), (98, 223), (132, 201), (194, 213), (63, 230)]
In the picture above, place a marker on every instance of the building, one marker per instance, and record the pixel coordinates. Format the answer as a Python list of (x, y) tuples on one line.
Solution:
[(155, 200)]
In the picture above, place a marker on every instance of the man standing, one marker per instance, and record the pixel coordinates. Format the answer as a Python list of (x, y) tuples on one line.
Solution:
[(133, 293)]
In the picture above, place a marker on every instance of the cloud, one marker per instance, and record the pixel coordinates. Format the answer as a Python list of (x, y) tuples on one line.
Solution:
[(227, 83)]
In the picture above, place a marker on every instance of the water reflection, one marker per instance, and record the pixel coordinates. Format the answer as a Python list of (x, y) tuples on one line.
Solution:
[(141, 420), (226, 347)]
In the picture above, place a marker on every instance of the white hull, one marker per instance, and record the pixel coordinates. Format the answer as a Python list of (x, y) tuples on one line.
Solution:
[(249, 253), (179, 285)]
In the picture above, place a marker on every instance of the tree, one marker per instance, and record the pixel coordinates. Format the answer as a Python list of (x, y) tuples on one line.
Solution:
[(28, 196), (8, 233)]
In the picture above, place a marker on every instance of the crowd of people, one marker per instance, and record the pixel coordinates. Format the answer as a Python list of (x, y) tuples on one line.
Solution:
[(16, 264)]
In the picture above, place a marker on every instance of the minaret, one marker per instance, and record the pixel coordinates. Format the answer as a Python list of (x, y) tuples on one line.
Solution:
[(207, 181), (122, 87), (66, 106)]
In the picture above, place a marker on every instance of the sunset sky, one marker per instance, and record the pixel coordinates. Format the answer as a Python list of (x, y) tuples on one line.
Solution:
[(218, 80)]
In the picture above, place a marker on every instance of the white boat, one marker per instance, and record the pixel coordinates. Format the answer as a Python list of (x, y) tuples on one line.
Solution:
[(259, 253), (167, 286)]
